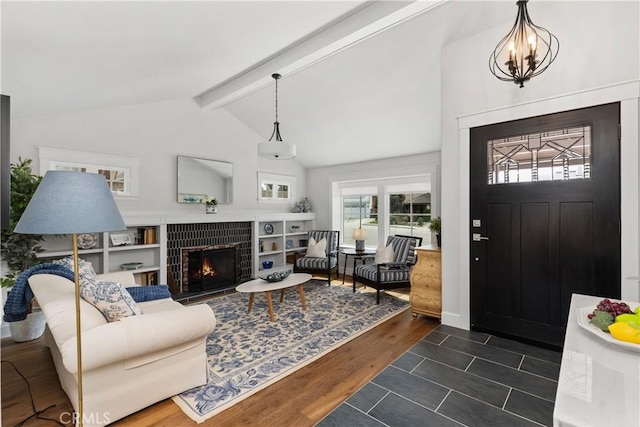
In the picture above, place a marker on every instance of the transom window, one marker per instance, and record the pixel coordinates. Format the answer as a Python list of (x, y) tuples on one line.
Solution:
[(558, 155), (116, 178), (120, 172), (276, 188)]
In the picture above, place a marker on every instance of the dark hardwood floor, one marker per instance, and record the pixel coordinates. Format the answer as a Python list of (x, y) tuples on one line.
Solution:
[(300, 399)]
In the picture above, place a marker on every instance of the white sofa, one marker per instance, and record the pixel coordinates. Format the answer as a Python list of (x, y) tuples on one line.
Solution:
[(129, 364)]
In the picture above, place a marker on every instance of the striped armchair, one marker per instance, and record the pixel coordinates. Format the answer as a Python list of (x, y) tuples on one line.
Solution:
[(305, 264), (390, 275)]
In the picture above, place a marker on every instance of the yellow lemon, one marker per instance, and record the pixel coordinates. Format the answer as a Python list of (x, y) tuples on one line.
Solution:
[(624, 332)]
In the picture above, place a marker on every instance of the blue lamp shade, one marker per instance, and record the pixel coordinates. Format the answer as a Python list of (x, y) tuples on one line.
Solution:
[(71, 202)]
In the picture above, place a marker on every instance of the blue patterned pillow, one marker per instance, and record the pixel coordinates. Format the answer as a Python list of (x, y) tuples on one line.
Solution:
[(85, 269), (113, 301)]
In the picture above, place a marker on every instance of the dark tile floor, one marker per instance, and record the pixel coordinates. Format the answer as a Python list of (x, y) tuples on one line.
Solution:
[(454, 377)]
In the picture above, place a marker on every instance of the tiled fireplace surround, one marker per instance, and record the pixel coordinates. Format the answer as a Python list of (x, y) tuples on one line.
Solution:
[(208, 234)]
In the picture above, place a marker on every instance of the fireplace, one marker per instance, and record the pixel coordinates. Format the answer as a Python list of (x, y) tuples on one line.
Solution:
[(210, 268)]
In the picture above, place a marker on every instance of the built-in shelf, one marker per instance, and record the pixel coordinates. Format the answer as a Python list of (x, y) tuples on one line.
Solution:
[(106, 258), (291, 229)]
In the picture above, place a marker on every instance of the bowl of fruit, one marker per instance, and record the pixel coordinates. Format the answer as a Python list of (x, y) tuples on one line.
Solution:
[(613, 321)]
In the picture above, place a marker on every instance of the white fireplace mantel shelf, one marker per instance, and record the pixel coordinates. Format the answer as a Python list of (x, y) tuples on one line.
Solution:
[(135, 219)]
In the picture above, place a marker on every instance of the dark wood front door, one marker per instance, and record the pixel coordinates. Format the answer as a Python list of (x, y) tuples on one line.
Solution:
[(545, 209)]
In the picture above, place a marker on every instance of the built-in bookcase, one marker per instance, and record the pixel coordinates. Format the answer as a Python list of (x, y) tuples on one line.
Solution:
[(278, 236), (112, 251)]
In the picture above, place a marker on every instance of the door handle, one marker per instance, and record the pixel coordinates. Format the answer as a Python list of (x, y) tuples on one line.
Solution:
[(477, 237)]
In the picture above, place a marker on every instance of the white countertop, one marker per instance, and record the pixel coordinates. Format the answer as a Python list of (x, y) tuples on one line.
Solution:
[(599, 383)]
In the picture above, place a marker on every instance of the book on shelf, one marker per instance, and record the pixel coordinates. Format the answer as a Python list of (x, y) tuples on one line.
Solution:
[(147, 236), (149, 278)]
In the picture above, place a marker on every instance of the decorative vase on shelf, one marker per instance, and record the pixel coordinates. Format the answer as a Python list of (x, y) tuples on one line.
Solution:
[(211, 206), (306, 205)]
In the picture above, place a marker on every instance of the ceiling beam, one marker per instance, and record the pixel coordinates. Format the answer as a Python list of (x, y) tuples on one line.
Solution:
[(366, 21)]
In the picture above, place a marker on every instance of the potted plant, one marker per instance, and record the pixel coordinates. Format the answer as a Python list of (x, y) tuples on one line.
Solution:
[(19, 251), (211, 206), (435, 227)]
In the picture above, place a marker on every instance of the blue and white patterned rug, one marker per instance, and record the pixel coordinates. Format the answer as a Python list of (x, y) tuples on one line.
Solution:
[(247, 352)]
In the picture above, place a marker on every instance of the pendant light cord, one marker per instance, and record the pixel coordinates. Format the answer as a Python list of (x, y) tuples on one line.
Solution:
[(277, 97), (276, 124)]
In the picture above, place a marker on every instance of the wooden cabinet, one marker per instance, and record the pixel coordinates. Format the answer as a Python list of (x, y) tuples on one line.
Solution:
[(426, 282)]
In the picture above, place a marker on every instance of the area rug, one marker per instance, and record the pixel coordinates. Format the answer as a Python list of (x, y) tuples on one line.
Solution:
[(247, 352)]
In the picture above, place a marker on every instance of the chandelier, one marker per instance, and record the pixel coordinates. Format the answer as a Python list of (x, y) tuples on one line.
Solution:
[(276, 149), (526, 51)]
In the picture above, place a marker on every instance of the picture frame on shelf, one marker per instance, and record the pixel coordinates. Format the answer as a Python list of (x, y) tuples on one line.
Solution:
[(192, 198), (120, 239)]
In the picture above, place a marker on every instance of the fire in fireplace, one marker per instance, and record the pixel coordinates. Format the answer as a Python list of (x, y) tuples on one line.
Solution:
[(207, 268)]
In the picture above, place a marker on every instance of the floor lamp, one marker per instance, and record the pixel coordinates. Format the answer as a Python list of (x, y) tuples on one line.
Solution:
[(71, 203)]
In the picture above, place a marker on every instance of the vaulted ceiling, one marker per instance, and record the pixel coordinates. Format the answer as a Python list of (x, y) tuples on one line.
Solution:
[(362, 79)]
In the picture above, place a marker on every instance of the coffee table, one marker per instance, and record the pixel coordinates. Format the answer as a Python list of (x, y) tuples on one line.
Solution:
[(260, 285)]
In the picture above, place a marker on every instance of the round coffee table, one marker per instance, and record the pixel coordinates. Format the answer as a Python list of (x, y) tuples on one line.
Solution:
[(261, 285)]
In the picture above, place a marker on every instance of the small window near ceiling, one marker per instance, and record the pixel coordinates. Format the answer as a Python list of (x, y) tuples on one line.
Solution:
[(120, 172), (116, 179), (283, 192), (274, 188), (410, 214), (558, 155), (267, 191)]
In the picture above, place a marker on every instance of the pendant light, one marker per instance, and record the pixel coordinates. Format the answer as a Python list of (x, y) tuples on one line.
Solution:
[(526, 51), (276, 149)]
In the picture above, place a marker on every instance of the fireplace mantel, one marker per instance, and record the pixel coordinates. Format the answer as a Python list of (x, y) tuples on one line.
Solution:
[(141, 218)]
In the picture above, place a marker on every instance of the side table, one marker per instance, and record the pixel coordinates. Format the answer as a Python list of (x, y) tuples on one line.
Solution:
[(357, 255)]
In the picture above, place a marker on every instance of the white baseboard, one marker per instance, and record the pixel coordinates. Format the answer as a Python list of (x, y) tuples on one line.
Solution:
[(454, 320)]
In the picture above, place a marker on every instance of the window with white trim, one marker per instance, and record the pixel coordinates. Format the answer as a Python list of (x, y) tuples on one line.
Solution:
[(121, 172), (409, 210), (360, 211), (274, 188), (385, 207)]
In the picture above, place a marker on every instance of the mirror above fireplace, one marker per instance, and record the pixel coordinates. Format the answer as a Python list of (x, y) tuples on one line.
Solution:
[(203, 179)]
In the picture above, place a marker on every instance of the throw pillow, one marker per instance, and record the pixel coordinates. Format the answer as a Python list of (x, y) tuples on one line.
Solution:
[(85, 269), (111, 299), (317, 250), (384, 254)]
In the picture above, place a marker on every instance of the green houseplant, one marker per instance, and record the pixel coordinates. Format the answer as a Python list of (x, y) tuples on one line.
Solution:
[(435, 227), (19, 251)]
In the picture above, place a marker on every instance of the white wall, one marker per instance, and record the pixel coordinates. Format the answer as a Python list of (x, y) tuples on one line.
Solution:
[(599, 46), (319, 180), (156, 134)]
